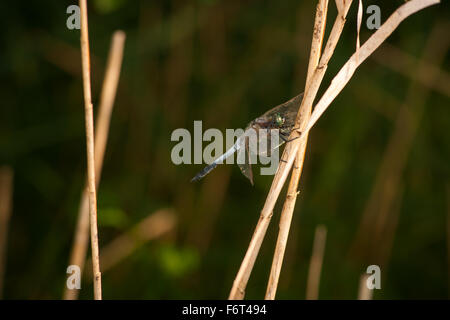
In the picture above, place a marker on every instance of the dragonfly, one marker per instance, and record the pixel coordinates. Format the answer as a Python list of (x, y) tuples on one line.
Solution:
[(281, 118)]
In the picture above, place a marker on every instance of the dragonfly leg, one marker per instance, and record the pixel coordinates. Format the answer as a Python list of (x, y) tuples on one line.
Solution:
[(295, 137), (291, 139), (284, 137), (295, 129)]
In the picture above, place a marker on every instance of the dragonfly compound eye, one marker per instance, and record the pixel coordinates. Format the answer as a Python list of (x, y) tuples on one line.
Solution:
[(279, 120)]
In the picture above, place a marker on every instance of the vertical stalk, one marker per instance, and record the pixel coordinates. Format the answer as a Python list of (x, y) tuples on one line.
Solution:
[(89, 122)]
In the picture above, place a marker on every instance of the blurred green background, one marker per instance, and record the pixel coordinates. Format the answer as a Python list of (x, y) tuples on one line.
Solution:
[(377, 165)]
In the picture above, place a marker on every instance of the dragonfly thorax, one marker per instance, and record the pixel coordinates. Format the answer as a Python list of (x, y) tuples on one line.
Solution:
[(266, 123)]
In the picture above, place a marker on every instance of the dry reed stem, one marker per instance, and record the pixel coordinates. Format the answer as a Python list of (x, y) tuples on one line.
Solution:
[(315, 266), (288, 261), (390, 229), (289, 153), (385, 192), (404, 63), (6, 192), (155, 225), (410, 116), (106, 104), (317, 38), (338, 83), (447, 229), (358, 25), (364, 293), (289, 204), (89, 120)]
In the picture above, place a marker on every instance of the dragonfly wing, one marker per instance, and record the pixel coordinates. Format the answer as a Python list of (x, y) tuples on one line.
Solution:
[(246, 170), (287, 110), (269, 140), (277, 135), (246, 167)]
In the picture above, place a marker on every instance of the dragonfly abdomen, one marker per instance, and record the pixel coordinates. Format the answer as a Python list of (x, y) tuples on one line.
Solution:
[(204, 172), (219, 160)]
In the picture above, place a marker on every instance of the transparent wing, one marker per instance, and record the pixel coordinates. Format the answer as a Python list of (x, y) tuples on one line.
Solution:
[(267, 140), (287, 110), (246, 166)]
